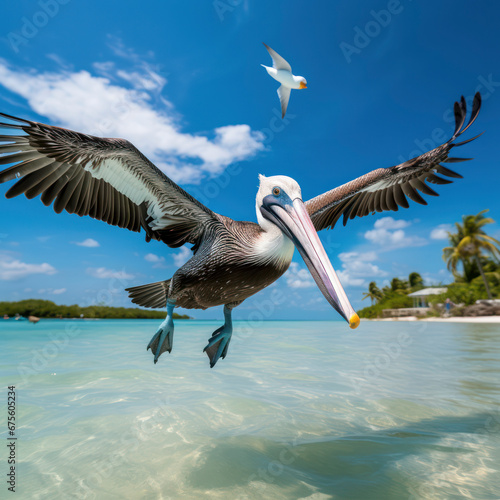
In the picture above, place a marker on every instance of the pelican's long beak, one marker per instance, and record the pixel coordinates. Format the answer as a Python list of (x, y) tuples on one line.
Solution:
[(294, 220), (302, 85)]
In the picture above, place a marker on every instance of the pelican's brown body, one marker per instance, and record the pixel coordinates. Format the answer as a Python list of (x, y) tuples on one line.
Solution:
[(226, 269)]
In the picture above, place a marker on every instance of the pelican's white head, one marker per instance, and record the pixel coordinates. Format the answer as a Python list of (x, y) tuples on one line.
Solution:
[(279, 201), (268, 185)]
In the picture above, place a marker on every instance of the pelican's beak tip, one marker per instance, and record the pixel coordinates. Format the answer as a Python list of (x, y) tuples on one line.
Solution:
[(354, 321), (303, 85)]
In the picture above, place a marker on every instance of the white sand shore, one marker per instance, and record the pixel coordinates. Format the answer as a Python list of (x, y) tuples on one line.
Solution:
[(451, 319)]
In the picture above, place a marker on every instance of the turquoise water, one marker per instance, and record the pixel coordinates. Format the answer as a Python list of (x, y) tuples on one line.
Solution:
[(296, 410)]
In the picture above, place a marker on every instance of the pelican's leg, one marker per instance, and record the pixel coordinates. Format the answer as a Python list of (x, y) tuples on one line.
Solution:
[(219, 342), (163, 339)]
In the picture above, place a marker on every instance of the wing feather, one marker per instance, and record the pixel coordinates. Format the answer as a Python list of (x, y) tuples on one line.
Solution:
[(391, 202), (107, 179), (284, 95), (387, 189), (278, 61)]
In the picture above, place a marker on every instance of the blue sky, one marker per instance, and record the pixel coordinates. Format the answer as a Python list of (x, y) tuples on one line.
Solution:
[(183, 82)]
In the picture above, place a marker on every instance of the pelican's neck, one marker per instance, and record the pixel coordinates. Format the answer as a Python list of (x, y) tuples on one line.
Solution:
[(273, 244)]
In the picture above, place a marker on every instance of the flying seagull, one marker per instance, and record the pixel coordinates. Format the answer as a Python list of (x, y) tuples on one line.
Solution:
[(282, 72), (110, 180)]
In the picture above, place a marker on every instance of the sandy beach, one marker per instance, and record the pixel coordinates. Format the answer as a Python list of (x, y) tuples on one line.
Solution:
[(451, 319)]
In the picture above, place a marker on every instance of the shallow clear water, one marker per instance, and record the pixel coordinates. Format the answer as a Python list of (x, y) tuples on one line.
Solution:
[(296, 410)]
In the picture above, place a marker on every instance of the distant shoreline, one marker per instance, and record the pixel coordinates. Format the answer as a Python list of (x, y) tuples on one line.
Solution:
[(451, 319), (46, 309)]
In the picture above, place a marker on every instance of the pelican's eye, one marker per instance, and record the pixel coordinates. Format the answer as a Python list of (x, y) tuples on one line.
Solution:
[(276, 191)]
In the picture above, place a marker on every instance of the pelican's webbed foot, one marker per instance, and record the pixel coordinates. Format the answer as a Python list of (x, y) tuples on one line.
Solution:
[(163, 339), (219, 342)]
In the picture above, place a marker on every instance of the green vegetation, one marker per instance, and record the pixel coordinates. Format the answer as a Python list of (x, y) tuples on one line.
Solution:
[(374, 293), (394, 296), (472, 257), (470, 245), (47, 309)]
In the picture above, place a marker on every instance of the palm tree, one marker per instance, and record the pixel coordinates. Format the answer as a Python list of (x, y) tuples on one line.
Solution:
[(398, 285), (469, 243), (414, 279), (374, 293)]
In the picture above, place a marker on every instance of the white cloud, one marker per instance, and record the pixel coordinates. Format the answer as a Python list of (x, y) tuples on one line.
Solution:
[(356, 267), (347, 280), (347, 257), (390, 223), (11, 268), (389, 233), (149, 80), (156, 260), (51, 291), (182, 256), (104, 273), (441, 232), (151, 257), (297, 277), (102, 106), (147, 77), (89, 243)]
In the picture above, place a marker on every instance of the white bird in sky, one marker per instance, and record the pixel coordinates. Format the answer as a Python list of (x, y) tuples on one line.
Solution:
[(282, 72)]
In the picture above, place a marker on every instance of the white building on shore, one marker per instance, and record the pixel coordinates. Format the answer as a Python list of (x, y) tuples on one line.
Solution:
[(420, 298)]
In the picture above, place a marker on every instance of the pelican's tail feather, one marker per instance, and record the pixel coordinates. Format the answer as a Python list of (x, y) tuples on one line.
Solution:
[(152, 295)]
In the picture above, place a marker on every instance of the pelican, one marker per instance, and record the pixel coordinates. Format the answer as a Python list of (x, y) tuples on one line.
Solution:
[(110, 180)]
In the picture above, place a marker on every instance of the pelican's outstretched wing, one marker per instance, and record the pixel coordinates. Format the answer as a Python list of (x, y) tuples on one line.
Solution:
[(387, 188), (107, 179), (278, 61)]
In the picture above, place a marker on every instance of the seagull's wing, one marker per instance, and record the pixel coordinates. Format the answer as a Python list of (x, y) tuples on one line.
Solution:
[(284, 95), (278, 61), (107, 179), (387, 188)]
